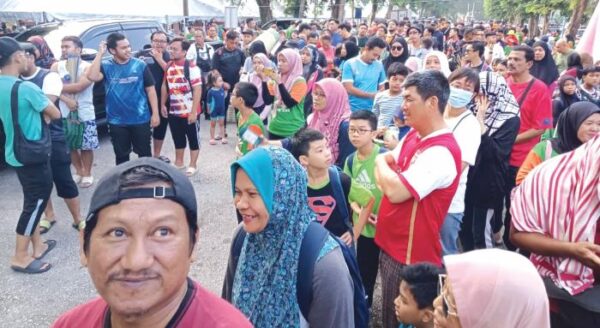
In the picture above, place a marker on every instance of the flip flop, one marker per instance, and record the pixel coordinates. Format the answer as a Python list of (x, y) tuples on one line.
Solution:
[(86, 182), (191, 171), (79, 226), (36, 266), (51, 244), (46, 225)]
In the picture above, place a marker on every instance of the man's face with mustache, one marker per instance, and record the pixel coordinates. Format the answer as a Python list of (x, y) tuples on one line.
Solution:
[(139, 255)]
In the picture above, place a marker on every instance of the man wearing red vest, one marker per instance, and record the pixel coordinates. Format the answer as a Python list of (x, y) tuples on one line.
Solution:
[(418, 180)]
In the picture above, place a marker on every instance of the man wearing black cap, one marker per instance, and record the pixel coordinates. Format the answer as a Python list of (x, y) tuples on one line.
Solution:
[(138, 246), (247, 37), (36, 180)]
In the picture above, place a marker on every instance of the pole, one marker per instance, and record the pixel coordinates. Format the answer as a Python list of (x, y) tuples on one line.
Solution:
[(186, 10)]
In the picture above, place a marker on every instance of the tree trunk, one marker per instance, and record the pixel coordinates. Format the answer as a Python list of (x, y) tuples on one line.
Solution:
[(388, 14), (337, 11), (301, 8), (374, 8), (546, 23), (575, 20), (533, 27), (264, 8)]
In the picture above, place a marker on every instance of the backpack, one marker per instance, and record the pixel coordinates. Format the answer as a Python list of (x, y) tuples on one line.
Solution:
[(312, 243), (205, 65), (350, 159), (340, 198)]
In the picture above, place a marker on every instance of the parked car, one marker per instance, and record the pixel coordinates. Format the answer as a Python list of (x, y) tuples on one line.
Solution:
[(91, 32)]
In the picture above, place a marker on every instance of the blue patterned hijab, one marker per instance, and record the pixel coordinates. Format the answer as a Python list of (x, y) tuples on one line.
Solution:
[(264, 287)]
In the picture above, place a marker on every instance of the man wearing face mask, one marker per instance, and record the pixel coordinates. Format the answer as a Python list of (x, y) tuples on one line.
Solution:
[(464, 85)]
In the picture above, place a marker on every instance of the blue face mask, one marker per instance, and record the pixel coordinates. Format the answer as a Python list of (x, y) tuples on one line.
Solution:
[(459, 98)]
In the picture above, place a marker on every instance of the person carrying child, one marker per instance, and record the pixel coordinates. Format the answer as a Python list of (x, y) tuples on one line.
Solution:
[(215, 98)]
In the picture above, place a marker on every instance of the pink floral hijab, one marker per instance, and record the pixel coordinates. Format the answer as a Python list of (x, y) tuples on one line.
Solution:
[(337, 109), (257, 81)]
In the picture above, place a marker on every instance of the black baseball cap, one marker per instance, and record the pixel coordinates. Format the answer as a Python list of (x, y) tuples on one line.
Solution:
[(8, 46), (109, 191)]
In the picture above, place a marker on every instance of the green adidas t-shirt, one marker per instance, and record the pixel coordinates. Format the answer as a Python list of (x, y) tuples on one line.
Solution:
[(248, 132), (363, 174)]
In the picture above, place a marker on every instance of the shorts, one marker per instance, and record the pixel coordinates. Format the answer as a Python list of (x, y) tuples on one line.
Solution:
[(63, 180), (217, 113), (217, 118), (159, 132), (90, 136), (183, 132)]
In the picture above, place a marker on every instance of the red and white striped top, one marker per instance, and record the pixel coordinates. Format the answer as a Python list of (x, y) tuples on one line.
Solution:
[(561, 199)]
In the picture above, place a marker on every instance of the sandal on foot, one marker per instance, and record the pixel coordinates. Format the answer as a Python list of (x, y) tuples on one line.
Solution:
[(36, 266), (191, 171), (179, 167), (76, 178), (86, 182), (218, 138), (224, 141), (212, 142), (51, 244), (164, 159), (80, 226), (46, 225)]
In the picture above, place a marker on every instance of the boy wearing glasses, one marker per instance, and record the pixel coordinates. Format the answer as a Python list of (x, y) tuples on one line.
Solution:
[(329, 191), (360, 166)]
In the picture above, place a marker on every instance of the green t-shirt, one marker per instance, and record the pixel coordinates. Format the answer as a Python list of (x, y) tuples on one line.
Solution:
[(247, 137), (288, 121), (363, 174), (32, 101)]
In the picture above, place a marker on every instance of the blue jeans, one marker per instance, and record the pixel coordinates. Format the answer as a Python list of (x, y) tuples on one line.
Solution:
[(449, 233)]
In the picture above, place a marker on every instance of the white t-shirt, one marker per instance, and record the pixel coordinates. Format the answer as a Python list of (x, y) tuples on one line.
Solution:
[(52, 83), (431, 169), (467, 133), (85, 98)]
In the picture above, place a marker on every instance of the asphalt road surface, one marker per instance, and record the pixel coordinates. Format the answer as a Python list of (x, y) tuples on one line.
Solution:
[(37, 300)]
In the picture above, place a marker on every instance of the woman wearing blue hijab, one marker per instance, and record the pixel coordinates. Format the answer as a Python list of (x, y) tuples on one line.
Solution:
[(270, 196)]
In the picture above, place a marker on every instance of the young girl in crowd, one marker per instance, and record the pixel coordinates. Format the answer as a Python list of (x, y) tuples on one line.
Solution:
[(500, 66), (567, 96), (215, 98)]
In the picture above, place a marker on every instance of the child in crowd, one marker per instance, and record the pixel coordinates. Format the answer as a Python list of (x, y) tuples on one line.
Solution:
[(330, 190), (418, 289), (588, 90), (215, 98), (360, 166), (500, 66), (387, 102), (251, 130)]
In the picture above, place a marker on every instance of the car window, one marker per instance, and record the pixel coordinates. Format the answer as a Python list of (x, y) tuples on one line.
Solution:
[(138, 37), (91, 38)]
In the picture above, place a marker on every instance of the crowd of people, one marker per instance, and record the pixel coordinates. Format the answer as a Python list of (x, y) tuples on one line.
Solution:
[(459, 163)]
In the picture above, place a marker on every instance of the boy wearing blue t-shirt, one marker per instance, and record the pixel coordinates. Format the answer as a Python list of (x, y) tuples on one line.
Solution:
[(364, 75)]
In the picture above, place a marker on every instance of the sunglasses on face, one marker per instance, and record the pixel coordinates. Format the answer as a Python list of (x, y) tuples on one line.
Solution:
[(397, 48)]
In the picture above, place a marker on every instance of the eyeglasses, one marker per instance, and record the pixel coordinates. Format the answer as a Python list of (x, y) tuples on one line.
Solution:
[(159, 41), (397, 48), (359, 131), (446, 305)]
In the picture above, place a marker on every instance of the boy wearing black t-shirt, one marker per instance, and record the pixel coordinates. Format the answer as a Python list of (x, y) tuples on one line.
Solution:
[(329, 190)]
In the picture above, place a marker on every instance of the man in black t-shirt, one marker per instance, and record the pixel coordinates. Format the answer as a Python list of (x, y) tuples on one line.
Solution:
[(157, 58), (228, 61)]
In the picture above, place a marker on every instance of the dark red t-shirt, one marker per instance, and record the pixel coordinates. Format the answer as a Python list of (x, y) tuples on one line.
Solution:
[(201, 309)]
